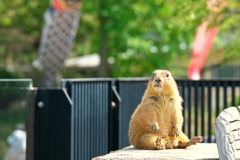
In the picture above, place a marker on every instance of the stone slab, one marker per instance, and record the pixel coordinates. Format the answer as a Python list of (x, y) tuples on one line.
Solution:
[(206, 151), (227, 130)]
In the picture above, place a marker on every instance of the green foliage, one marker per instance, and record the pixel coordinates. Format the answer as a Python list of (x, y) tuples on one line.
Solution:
[(8, 75), (140, 35), (20, 27), (228, 38)]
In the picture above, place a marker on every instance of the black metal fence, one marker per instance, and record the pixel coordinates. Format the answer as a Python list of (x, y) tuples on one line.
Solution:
[(49, 125), (90, 117), (90, 133), (203, 101), (131, 92)]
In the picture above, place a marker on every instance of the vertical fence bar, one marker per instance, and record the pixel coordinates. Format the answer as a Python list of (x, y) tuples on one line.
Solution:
[(238, 88), (202, 108), (233, 85), (196, 107), (77, 121), (225, 85), (217, 98), (76, 112), (184, 105), (209, 111), (189, 108)]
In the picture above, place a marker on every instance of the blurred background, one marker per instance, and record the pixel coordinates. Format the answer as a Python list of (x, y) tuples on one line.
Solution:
[(43, 42), (123, 39)]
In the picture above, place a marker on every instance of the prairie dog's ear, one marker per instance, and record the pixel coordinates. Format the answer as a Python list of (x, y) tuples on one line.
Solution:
[(168, 74), (153, 74)]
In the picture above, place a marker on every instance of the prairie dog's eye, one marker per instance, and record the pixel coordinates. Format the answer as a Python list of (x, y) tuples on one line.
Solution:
[(167, 75)]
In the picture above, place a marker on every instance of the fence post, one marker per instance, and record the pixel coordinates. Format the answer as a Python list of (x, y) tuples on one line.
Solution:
[(49, 125)]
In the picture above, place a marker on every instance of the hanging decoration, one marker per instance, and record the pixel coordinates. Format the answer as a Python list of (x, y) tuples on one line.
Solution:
[(203, 42), (58, 34)]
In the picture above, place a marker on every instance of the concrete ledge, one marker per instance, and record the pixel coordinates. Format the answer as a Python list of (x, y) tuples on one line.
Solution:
[(206, 151)]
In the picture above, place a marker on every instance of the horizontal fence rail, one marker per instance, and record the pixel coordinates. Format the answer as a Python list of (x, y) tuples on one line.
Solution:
[(16, 83)]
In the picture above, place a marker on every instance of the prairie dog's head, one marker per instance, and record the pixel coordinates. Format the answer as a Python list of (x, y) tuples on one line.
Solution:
[(162, 81)]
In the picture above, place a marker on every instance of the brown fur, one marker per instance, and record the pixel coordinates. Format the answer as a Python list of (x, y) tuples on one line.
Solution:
[(157, 121)]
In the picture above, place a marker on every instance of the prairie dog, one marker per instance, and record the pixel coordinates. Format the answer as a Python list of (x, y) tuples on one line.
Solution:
[(157, 121)]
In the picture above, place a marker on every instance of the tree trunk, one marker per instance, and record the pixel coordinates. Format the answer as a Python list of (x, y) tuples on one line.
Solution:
[(103, 70)]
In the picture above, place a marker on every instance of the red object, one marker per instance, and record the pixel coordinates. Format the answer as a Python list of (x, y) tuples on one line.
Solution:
[(57, 5), (203, 41), (201, 48)]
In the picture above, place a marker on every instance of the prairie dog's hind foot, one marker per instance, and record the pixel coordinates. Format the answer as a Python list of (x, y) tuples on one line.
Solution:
[(159, 144), (195, 140)]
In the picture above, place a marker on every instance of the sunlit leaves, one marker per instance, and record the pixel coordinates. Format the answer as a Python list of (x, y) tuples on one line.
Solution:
[(142, 35)]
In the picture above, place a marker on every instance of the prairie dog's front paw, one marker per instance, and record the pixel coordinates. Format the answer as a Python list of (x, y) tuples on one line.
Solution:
[(177, 131), (155, 127)]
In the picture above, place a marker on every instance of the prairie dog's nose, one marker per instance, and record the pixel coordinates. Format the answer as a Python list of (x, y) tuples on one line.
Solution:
[(158, 80)]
